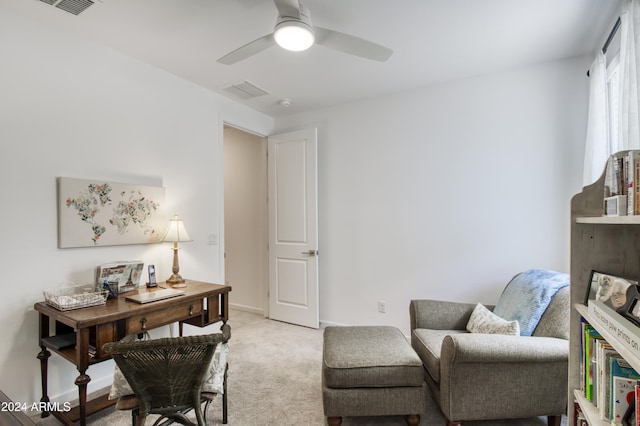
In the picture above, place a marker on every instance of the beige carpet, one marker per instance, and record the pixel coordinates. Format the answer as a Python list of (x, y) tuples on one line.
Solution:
[(274, 379)]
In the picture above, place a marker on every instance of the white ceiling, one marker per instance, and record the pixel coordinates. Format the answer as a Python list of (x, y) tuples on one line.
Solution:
[(433, 41)]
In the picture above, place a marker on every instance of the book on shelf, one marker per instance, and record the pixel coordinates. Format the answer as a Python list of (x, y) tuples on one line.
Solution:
[(580, 419), (605, 353), (636, 184), (623, 397), (614, 178), (583, 325), (590, 337), (637, 398), (61, 341), (622, 178), (623, 381), (632, 168)]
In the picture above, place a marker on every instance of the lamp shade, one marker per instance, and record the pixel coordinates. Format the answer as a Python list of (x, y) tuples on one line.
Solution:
[(175, 231), (294, 35)]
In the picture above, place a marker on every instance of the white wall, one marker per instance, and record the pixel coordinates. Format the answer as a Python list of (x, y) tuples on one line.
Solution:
[(448, 191), (69, 107), (444, 192)]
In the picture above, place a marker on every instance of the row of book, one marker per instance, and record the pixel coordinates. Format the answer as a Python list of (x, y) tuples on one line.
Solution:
[(622, 184), (608, 381)]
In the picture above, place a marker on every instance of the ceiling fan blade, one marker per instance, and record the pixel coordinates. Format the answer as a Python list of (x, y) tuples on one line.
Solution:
[(350, 44), (288, 8), (249, 49)]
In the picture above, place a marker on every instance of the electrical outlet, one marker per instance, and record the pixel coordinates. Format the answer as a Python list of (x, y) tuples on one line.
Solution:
[(382, 306)]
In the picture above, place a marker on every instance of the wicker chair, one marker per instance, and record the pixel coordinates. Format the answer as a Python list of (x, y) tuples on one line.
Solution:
[(166, 374)]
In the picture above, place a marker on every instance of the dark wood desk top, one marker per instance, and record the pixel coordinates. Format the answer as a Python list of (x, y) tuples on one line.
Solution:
[(120, 308)]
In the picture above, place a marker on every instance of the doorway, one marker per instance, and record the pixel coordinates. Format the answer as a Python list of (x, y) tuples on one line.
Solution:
[(246, 219)]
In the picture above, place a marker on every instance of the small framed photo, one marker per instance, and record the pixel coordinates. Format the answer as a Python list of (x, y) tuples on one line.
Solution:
[(631, 309), (609, 289)]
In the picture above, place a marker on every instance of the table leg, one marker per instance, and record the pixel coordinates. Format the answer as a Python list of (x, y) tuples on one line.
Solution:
[(81, 381), (43, 356), (82, 356), (225, 307)]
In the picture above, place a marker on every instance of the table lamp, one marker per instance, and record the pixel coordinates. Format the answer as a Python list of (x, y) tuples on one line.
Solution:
[(176, 233)]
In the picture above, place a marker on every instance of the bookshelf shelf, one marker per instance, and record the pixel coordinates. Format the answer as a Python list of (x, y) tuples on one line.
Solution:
[(610, 220), (589, 410)]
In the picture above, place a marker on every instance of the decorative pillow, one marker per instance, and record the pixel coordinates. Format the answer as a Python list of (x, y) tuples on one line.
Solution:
[(120, 386), (484, 321), (213, 382)]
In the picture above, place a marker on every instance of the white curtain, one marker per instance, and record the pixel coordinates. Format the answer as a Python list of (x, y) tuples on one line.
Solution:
[(624, 117), (597, 148), (628, 95)]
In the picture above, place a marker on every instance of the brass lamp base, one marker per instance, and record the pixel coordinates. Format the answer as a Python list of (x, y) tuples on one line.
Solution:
[(176, 281)]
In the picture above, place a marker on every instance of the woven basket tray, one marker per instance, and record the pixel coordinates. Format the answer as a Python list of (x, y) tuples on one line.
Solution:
[(75, 297)]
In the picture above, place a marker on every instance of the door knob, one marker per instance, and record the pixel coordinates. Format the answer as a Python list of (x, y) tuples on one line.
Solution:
[(311, 252)]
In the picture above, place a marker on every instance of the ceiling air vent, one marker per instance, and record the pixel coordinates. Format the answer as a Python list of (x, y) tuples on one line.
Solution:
[(246, 90), (72, 6)]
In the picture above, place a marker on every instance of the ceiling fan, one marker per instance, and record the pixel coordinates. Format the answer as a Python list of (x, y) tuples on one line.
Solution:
[(293, 31)]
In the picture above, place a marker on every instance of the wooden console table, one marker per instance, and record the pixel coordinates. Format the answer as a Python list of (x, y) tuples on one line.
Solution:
[(88, 329)]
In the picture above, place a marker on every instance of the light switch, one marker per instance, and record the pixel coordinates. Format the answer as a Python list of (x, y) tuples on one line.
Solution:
[(213, 239)]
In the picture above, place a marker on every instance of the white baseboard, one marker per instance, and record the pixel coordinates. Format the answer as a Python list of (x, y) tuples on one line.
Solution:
[(98, 385), (245, 308), (324, 323)]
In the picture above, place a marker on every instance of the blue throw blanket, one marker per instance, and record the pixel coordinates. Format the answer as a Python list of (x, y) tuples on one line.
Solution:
[(527, 296)]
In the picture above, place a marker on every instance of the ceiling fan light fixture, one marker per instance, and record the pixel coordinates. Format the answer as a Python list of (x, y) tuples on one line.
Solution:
[(294, 35)]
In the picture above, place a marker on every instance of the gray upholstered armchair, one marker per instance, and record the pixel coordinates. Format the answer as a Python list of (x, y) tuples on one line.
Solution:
[(490, 376)]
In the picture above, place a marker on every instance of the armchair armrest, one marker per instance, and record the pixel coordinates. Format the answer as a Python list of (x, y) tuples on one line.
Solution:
[(528, 372), (440, 315), (497, 348)]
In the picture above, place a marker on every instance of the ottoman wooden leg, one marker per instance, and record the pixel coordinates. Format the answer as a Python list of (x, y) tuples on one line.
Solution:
[(334, 421), (413, 420)]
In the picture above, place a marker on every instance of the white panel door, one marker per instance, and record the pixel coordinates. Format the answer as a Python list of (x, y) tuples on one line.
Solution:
[(293, 228)]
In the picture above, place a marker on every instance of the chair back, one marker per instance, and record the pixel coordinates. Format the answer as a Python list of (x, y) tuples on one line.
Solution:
[(555, 320), (166, 374)]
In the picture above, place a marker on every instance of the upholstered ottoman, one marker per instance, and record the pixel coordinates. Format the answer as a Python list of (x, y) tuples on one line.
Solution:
[(371, 371)]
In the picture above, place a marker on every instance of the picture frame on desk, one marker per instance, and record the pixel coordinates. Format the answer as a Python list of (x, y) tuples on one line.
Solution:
[(121, 276), (608, 288)]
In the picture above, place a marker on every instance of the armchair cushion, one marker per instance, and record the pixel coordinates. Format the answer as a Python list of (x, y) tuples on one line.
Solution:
[(428, 344), (484, 321)]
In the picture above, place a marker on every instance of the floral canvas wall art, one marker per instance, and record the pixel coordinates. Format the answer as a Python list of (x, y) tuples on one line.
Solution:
[(99, 213)]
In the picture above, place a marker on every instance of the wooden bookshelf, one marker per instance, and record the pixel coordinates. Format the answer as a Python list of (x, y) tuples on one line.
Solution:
[(609, 244)]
